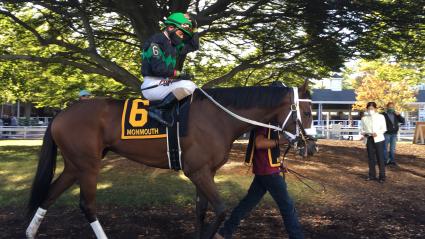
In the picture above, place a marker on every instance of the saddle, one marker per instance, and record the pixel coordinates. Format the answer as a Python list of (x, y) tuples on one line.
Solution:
[(137, 124)]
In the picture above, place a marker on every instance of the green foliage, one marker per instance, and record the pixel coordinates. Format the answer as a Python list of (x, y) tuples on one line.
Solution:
[(383, 81), (411, 73), (97, 44), (53, 85)]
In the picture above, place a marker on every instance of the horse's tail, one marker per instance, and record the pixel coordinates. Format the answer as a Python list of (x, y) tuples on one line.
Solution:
[(45, 172)]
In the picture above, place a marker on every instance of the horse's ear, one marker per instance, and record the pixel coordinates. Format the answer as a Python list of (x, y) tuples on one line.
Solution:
[(304, 87)]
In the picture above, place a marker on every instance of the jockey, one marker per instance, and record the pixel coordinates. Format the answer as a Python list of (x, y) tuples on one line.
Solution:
[(159, 65)]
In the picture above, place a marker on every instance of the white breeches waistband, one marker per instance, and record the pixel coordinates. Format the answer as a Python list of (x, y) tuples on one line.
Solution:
[(180, 88)]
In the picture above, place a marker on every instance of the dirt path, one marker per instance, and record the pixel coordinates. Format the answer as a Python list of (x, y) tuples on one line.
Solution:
[(350, 208), (355, 208)]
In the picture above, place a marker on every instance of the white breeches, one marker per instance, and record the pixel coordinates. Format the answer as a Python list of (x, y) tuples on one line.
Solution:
[(180, 89)]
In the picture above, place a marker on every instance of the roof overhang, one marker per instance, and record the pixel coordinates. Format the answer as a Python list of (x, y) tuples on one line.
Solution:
[(334, 102)]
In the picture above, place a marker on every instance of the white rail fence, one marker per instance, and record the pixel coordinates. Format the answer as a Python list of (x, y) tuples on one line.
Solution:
[(333, 131), (338, 131), (22, 132)]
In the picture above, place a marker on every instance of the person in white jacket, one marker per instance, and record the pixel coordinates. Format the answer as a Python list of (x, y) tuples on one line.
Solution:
[(373, 129)]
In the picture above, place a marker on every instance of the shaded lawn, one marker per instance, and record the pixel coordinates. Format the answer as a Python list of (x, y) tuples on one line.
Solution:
[(121, 182)]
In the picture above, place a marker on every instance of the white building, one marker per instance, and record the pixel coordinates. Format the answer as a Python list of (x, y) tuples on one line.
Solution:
[(332, 103)]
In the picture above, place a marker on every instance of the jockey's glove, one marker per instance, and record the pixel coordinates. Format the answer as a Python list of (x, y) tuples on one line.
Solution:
[(183, 75), (193, 21)]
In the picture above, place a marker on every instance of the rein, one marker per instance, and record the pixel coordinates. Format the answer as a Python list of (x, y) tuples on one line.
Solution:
[(241, 118), (294, 108)]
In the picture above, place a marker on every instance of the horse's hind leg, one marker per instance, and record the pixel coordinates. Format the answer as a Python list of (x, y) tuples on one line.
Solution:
[(62, 183), (88, 182)]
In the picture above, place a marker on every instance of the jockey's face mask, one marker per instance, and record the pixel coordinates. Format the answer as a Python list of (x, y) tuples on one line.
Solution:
[(175, 39)]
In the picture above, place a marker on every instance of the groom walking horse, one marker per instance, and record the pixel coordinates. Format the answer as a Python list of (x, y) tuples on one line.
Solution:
[(87, 130)]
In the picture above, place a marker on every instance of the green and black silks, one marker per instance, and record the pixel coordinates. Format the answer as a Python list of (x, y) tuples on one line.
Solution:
[(160, 57)]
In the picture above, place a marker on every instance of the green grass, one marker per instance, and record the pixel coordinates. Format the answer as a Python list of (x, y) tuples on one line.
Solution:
[(19, 142), (118, 186)]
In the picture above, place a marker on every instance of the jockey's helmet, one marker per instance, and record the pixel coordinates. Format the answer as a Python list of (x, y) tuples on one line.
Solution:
[(180, 21)]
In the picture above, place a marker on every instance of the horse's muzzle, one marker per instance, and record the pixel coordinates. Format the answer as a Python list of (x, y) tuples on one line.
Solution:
[(312, 147), (307, 147)]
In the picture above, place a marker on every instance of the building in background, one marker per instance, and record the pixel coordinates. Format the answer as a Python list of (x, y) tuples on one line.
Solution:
[(333, 83), (26, 113), (333, 105)]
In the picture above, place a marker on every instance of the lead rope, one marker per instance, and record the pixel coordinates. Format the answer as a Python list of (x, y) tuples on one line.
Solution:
[(301, 178), (298, 176)]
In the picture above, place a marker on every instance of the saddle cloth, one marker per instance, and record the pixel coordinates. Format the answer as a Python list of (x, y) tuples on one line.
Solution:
[(136, 124)]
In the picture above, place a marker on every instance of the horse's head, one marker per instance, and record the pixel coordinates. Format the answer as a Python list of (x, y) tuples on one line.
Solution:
[(297, 120)]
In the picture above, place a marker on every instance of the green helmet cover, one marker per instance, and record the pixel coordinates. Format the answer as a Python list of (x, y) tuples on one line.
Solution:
[(180, 21)]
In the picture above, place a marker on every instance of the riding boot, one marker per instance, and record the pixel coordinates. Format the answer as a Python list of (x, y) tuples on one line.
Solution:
[(162, 112)]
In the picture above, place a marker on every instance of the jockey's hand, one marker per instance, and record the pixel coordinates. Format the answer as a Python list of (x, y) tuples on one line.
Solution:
[(193, 21), (183, 75), (165, 82)]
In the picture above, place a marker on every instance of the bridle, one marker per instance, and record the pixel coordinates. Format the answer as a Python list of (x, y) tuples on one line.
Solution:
[(300, 142), (295, 114)]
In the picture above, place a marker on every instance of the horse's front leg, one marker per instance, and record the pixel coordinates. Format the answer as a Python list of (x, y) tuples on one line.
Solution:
[(201, 210), (204, 181)]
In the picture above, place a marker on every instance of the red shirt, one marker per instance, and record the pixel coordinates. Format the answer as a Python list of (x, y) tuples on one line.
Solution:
[(261, 164)]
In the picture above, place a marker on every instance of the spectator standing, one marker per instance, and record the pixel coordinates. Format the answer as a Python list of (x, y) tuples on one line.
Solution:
[(373, 129), (392, 119)]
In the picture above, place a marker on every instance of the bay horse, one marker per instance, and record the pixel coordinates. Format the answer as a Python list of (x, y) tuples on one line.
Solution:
[(85, 131)]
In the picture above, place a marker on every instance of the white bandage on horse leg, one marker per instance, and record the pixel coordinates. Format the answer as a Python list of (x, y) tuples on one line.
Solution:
[(35, 223), (98, 230)]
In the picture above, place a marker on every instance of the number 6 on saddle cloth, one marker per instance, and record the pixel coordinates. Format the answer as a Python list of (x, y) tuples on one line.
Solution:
[(137, 124)]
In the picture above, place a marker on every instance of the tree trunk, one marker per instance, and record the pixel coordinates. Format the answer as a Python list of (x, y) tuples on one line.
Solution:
[(27, 110)]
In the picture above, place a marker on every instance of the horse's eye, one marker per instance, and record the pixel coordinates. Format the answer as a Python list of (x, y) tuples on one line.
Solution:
[(308, 114)]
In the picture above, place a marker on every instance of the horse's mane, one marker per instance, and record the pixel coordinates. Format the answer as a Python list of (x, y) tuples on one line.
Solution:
[(246, 97)]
